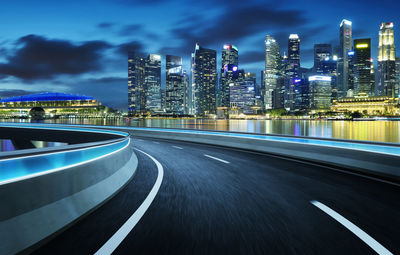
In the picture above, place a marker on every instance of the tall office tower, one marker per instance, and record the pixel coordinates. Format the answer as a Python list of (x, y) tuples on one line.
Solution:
[(186, 98), (386, 82), (362, 67), (271, 72), (322, 52), (136, 85), (230, 63), (204, 81), (320, 92), (343, 64), (294, 55), (174, 86), (152, 80), (398, 76)]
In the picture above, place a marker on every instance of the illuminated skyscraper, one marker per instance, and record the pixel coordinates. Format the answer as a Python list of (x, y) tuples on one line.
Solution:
[(320, 92), (136, 85), (229, 65), (398, 75), (271, 72), (292, 72), (152, 80), (322, 52), (386, 82), (204, 81), (174, 85), (186, 98), (343, 64), (363, 79), (294, 55)]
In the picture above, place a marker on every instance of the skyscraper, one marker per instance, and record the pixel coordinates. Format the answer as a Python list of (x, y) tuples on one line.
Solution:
[(398, 75), (363, 81), (229, 65), (386, 82), (186, 85), (294, 54), (271, 72), (136, 85), (292, 71), (174, 85), (322, 52), (204, 81), (152, 80), (320, 92), (343, 64)]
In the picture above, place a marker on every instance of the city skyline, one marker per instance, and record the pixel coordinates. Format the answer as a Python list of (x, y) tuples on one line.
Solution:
[(93, 49)]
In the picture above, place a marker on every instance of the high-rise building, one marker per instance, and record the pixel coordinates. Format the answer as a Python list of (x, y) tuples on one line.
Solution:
[(386, 82), (204, 81), (294, 55), (271, 72), (243, 96), (398, 75), (322, 52), (363, 80), (343, 64), (136, 85), (174, 85), (320, 92), (229, 65), (152, 80), (186, 85)]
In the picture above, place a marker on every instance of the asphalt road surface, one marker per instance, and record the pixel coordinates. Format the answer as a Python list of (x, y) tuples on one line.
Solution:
[(215, 200)]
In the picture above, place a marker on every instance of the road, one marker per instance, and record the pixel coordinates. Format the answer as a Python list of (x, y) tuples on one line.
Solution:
[(215, 200)]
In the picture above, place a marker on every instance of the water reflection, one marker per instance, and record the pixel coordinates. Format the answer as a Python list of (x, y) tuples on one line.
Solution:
[(383, 131)]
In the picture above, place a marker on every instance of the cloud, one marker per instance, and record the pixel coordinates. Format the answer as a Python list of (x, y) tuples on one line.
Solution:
[(129, 30), (106, 25), (37, 57), (252, 57), (16, 92), (124, 48)]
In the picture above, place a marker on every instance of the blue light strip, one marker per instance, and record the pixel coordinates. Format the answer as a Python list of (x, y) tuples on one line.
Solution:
[(16, 169), (24, 167)]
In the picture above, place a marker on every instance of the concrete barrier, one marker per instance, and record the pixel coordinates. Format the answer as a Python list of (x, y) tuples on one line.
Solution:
[(34, 209), (377, 164)]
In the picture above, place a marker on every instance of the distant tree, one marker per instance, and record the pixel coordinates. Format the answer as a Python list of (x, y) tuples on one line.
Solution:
[(356, 114)]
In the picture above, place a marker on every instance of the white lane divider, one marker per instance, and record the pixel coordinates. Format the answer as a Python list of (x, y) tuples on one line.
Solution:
[(112, 243), (377, 247), (177, 147), (221, 160)]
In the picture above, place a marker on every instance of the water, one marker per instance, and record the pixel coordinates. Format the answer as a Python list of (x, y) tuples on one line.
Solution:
[(380, 131)]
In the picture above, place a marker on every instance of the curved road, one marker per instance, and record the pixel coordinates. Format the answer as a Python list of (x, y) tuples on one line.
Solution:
[(215, 200)]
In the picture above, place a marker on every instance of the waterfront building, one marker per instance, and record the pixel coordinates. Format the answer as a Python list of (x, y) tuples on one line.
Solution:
[(174, 85), (136, 85), (386, 82), (363, 73), (302, 94), (271, 71), (229, 67), (152, 81), (243, 97), (53, 104), (186, 85), (320, 91), (398, 75), (322, 52), (371, 105), (292, 72), (204, 81), (343, 64)]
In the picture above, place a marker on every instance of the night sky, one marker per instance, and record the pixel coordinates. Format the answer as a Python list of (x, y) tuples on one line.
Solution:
[(81, 46)]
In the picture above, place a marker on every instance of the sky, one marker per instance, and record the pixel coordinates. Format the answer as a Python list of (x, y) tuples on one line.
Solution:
[(81, 47)]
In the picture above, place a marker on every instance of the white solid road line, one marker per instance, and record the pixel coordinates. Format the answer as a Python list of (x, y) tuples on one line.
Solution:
[(177, 147), (112, 243), (224, 161), (377, 247)]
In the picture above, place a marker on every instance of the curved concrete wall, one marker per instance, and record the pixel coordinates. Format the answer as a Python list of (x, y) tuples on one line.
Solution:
[(35, 208), (378, 164)]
